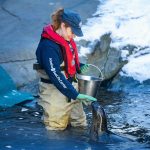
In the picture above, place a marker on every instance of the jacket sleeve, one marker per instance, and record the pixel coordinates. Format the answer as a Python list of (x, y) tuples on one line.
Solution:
[(51, 64)]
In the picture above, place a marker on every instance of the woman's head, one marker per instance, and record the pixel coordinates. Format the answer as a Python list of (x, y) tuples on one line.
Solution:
[(56, 18), (67, 23)]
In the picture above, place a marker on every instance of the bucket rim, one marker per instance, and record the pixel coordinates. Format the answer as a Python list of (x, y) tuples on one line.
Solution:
[(88, 78)]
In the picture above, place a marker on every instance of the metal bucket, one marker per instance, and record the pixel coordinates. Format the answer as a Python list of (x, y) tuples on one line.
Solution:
[(89, 84)]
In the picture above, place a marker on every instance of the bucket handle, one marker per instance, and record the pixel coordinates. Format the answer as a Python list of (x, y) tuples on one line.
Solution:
[(102, 76)]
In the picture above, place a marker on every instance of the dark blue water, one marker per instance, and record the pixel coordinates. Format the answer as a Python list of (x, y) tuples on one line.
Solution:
[(128, 115)]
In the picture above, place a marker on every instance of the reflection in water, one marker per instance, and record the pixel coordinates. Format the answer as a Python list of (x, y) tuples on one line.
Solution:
[(128, 115)]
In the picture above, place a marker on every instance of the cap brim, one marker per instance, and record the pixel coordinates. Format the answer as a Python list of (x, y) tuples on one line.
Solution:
[(77, 31)]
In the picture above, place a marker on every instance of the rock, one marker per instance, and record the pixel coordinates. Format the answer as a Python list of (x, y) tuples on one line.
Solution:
[(21, 26), (21, 72), (106, 58)]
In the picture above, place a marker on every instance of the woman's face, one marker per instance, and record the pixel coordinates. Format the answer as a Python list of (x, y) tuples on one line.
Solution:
[(67, 32)]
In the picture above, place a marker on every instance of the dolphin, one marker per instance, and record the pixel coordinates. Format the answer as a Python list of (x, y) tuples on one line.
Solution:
[(99, 131)]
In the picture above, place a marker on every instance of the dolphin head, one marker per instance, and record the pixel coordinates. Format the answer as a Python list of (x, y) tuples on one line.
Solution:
[(99, 121), (99, 131), (99, 116)]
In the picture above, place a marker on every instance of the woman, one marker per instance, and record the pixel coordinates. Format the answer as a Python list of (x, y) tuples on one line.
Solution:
[(61, 102)]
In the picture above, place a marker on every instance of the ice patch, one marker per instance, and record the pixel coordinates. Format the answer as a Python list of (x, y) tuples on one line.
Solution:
[(84, 51), (24, 109), (138, 68), (8, 146), (124, 54)]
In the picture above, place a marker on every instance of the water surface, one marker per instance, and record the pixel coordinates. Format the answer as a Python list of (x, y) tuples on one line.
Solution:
[(128, 115)]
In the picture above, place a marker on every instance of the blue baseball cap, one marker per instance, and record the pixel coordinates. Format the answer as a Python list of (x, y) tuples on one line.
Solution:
[(73, 20)]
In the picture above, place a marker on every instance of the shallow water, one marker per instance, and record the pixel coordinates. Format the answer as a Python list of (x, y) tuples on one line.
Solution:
[(128, 115)]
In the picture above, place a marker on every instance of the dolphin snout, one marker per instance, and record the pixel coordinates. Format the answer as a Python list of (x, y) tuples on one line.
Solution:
[(95, 106), (97, 110)]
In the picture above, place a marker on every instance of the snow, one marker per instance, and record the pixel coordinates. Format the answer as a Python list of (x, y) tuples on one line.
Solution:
[(129, 23)]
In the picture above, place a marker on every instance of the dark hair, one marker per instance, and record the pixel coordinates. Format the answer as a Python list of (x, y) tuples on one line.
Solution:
[(56, 18)]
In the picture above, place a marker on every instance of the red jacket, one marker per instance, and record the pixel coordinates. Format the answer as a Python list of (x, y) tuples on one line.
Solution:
[(71, 59)]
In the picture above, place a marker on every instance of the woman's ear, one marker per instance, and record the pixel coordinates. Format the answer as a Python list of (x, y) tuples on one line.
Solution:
[(62, 25)]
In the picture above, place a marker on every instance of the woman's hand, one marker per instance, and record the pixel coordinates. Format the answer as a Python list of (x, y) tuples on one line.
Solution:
[(83, 97), (84, 68)]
